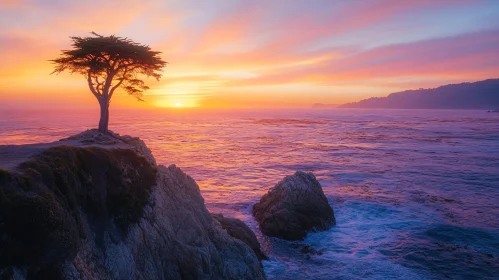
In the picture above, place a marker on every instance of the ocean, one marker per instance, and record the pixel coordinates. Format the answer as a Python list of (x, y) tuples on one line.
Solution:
[(415, 192)]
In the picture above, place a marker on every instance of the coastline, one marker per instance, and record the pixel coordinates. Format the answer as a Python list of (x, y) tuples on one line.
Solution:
[(172, 236)]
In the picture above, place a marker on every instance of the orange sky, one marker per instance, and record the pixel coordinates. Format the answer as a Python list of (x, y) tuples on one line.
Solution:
[(242, 53)]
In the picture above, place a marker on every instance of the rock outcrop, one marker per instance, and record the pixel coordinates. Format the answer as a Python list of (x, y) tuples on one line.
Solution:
[(237, 229), (293, 207), (102, 209)]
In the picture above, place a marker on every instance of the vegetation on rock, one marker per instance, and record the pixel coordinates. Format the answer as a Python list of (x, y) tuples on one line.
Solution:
[(41, 208)]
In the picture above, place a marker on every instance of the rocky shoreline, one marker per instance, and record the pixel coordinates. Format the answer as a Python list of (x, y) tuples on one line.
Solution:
[(96, 206)]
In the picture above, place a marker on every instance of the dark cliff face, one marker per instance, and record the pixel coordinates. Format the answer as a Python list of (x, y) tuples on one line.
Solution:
[(41, 207), (478, 95)]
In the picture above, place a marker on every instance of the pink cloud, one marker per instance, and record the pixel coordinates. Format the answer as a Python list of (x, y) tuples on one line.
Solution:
[(454, 56)]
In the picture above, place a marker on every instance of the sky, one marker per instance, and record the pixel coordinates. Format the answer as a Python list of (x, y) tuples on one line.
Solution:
[(253, 53)]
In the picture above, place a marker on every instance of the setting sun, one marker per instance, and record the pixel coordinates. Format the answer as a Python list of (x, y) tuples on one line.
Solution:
[(176, 101)]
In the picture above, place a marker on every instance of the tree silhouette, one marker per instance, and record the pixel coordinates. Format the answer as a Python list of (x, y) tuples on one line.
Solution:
[(108, 63)]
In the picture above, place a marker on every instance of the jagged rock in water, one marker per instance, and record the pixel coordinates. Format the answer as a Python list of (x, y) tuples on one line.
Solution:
[(237, 229), (293, 207), (102, 209)]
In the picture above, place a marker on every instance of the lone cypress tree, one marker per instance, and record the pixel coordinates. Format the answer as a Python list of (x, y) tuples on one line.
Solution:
[(110, 62)]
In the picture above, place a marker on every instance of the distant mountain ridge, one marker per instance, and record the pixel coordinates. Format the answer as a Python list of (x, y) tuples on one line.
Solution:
[(477, 95)]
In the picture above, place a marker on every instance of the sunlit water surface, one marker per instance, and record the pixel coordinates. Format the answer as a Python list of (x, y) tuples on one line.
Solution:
[(416, 193)]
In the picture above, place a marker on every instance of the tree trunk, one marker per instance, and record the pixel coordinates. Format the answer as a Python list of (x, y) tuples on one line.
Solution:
[(104, 116)]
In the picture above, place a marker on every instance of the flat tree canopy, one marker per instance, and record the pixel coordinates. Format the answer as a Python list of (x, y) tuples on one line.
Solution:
[(108, 63)]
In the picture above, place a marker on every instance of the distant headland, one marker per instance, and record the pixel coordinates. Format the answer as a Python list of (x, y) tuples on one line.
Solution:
[(477, 95)]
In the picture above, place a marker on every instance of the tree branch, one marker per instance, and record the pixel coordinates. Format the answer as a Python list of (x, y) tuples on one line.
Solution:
[(117, 85), (91, 86), (111, 92), (109, 63), (98, 87)]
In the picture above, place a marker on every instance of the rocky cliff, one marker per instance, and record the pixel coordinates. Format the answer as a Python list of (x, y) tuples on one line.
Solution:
[(97, 206)]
